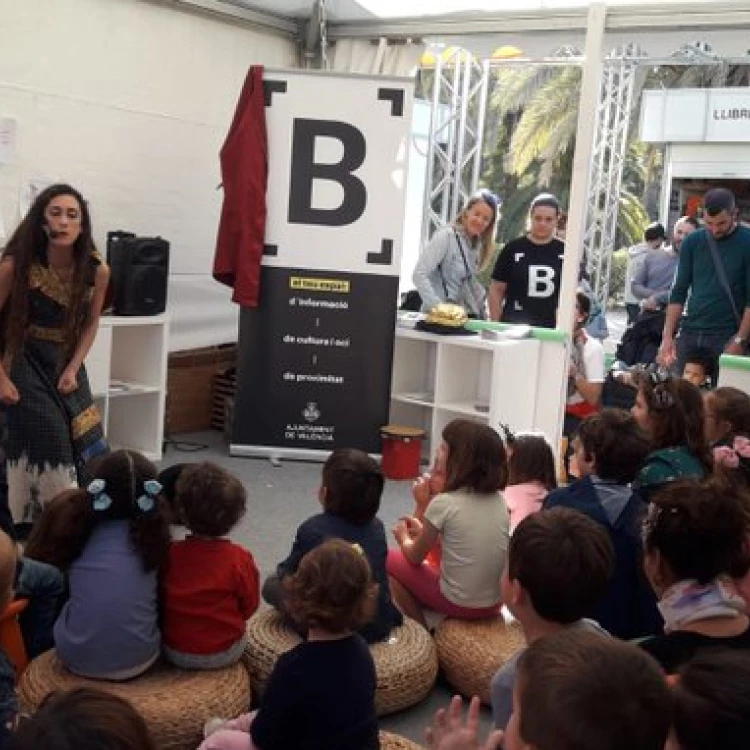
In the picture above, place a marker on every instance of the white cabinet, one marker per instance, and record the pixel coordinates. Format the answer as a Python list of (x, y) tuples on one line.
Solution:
[(439, 378), (127, 369)]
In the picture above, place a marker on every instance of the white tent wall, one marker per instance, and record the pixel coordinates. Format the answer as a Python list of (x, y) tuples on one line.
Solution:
[(130, 102)]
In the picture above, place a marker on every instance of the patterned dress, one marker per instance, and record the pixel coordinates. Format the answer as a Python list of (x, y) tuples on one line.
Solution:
[(49, 436)]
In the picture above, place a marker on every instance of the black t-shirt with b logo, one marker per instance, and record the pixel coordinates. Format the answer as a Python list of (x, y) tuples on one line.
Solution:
[(532, 273)]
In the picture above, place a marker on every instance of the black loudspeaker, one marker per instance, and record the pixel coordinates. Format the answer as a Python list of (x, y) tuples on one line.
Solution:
[(140, 272)]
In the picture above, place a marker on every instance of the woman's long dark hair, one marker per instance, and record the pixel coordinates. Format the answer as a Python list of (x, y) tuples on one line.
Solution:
[(28, 245), (68, 520), (676, 416)]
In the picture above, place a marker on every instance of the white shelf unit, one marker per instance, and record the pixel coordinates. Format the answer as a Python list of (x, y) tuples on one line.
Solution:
[(440, 378), (127, 369)]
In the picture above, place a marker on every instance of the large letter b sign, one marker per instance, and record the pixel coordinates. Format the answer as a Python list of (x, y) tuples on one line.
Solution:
[(305, 170)]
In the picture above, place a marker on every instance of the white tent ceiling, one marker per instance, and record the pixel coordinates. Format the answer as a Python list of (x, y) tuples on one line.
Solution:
[(537, 26)]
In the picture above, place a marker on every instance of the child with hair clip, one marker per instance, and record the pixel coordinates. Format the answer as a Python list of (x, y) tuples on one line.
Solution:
[(350, 491), (670, 411), (321, 694), (84, 718), (110, 538), (471, 520), (727, 415), (210, 585), (531, 474), (711, 703), (695, 542)]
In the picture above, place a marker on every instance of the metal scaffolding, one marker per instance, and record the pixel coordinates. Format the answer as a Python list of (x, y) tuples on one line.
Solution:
[(454, 156), (459, 90), (608, 159)]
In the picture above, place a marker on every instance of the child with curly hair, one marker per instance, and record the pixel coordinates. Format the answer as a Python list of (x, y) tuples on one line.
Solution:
[(210, 584), (694, 541), (321, 694)]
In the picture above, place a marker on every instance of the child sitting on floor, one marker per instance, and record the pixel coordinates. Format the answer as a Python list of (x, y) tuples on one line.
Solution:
[(711, 699), (84, 718), (584, 691), (210, 585), (531, 474), (321, 694), (576, 690), (470, 518), (111, 538), (695, 542), (670, 411), (609, 449), (350, 492), (559, 564), (727, 415), (699, 369)]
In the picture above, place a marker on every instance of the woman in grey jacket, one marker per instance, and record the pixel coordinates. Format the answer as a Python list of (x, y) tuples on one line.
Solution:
[(447, 267)]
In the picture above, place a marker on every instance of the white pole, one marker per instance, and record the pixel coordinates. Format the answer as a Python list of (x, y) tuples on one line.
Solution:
[(584, 149)]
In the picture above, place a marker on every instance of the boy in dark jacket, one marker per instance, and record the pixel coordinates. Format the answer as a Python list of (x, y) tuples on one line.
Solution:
[(609, 448)]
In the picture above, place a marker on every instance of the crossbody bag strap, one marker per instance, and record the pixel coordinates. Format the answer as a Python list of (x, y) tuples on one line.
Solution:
[(722, 274), (469, 274)]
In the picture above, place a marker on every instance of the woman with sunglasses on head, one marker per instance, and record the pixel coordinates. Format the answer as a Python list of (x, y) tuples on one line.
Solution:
[(447, 267), (525, 284)]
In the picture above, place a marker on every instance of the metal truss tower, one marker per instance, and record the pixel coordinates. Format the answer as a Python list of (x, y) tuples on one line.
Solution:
[(613, 117), (459, 89)]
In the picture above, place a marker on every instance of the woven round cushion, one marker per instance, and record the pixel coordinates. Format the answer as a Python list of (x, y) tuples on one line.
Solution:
[(471, 651), (405, 664), (174, 702), (389, 741)]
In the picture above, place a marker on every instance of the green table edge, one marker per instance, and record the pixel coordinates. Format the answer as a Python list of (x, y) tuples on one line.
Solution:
[(733, 362), (541, 334)]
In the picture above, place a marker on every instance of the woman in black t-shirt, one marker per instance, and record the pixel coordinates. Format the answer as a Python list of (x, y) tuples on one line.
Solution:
[(526, 279)]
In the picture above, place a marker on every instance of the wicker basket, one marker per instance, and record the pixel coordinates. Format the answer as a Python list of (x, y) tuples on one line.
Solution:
[(389, 741), (175, 703), (406, 664), (471, 651), (223, 393)]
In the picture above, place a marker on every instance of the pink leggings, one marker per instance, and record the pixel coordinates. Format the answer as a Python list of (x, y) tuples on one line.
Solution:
[(234, 735), (423, 583)]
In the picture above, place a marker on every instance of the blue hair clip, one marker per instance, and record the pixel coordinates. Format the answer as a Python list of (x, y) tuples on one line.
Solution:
[(147, 502), (101, 500)]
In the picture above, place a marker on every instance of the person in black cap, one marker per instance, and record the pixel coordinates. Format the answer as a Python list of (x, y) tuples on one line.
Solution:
[(718, 317)]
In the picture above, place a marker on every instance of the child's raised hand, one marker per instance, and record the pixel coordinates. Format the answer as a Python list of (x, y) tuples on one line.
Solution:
[(422, 492), (449, 732), (407, 528)]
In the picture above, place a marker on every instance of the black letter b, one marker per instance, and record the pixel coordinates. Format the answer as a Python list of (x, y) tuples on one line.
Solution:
[(304, 170)]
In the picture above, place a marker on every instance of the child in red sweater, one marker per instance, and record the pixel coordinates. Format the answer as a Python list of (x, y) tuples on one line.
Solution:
[(210, 584)]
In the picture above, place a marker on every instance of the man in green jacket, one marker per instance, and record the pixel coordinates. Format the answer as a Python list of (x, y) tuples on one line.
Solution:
[(698, 301)]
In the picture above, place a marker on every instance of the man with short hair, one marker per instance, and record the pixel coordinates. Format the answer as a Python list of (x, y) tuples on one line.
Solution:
[(653, 238), (711, 321), (653, 278)]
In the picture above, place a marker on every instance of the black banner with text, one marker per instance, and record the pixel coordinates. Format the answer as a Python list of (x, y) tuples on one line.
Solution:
[(315, 364)]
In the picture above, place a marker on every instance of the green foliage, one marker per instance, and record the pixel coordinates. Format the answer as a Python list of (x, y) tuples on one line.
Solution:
[(617, 277)]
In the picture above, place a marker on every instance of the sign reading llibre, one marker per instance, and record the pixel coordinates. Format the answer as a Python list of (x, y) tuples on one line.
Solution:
[(315, 357)]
